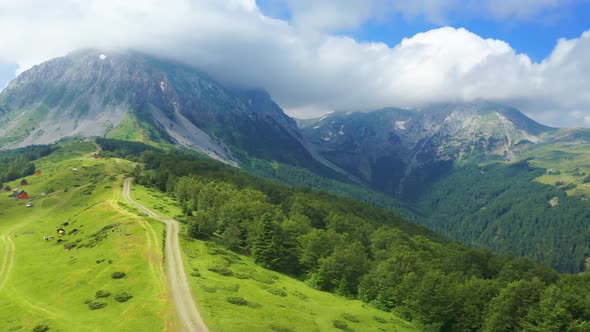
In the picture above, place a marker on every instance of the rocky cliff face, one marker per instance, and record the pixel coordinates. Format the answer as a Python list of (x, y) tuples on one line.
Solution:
[(131, 95), (395, 149)]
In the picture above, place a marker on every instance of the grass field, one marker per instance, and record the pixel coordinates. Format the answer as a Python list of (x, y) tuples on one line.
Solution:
[(43, 283), (234, 294), (567, 163)]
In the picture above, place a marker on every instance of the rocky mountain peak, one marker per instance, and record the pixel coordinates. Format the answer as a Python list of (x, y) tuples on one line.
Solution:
[(131, 95), (387, 147)]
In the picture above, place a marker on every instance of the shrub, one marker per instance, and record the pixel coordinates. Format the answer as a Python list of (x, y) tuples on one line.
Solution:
[(196, 274), (340, 324), (102, 293), (123, 297), (350, 317), (96, 305), (41, 328), (221, 269), (118, 275), (277, 291), (237, 300), (280, 328)]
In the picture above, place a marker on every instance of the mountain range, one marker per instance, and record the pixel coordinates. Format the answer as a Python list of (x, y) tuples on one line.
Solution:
[(404, 153)]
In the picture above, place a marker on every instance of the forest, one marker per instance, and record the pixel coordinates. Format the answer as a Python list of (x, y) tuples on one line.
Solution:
[(359, 251), (19, 163), (501, 207)]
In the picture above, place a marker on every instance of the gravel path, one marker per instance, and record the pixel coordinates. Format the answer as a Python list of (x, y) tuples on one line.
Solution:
[(186, 307)]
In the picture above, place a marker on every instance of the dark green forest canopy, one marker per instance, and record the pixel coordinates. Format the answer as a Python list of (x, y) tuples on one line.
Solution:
[(500, 206), (18, 163), (359, 251)]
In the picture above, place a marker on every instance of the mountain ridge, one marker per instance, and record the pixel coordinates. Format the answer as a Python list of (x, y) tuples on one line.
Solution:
[(90, 93), (406, 140)]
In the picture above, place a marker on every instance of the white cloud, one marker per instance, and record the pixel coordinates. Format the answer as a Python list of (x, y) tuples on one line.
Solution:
[(522, 9), (308, 70), (348, 14)]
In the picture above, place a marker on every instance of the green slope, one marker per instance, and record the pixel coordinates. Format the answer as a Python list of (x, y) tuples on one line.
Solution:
[(44, 284), (275, 302)]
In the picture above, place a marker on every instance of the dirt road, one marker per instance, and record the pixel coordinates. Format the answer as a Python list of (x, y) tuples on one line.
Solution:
[(181, 293)]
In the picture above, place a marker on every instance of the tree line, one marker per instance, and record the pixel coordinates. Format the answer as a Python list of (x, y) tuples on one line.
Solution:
[(19, 163)]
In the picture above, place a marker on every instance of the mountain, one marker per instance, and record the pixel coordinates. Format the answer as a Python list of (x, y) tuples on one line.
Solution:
[(133, 96), (480, 172), (395, 150)]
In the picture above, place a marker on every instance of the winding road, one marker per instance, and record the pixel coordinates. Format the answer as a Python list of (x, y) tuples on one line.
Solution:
[(186, 307)]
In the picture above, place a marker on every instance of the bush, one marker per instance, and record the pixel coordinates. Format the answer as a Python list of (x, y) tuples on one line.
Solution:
[(41, 328), (96, 305), (340, 324), (123, 297), (118, 275), (350, 317), (277, 291), (237, 300), (196, 274), (280, 328), (222, 270), (102, 293)]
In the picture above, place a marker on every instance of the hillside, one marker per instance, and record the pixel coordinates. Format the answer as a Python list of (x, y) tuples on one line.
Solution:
[(464, 170), (505, 208), (44, 283), (355, 250), (104, 235), (250, 247)]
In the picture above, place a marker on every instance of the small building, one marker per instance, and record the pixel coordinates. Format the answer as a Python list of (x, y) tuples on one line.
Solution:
[(22, 195), (7, 188), (24, 182), (98, 156), (30, 204), (37, 173)]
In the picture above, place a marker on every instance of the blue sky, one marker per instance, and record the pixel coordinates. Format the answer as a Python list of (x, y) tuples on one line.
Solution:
[(535, 35)]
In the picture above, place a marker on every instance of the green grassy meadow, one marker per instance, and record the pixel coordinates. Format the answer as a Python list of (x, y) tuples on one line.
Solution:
[(263, 300), (567, 163), (46, 284)]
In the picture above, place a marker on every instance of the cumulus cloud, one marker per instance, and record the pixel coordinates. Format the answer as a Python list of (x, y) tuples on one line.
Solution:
[(306, 68)]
